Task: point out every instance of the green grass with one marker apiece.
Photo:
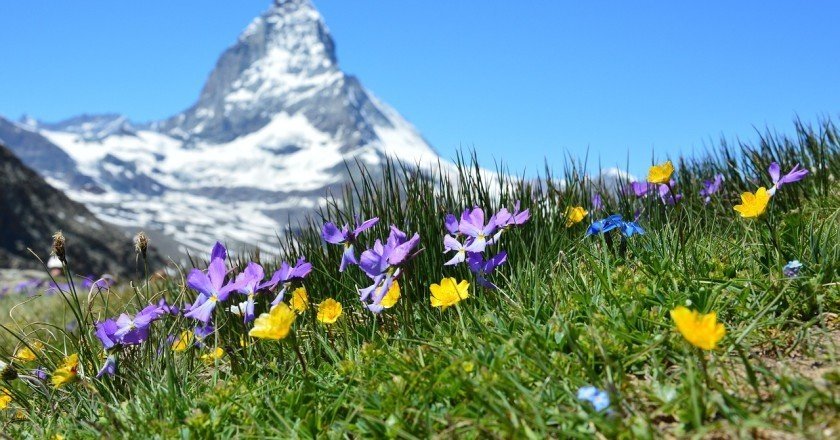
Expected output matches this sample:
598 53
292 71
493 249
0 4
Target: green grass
572 310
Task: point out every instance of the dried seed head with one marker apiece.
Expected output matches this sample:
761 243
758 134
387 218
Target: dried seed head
141 243
58 247
7 372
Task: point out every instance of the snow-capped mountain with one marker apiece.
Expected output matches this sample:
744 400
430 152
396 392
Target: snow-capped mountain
270 132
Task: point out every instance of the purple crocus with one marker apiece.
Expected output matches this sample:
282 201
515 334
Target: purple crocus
284 276
248 282
710 187
383 263
211 289
110 367
795 175
346 236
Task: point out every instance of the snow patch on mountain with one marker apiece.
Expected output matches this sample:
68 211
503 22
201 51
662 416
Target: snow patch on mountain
269 134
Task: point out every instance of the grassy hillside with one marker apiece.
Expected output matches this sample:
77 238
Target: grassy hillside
571 310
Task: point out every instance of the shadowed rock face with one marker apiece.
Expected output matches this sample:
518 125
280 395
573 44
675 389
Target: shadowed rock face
31 211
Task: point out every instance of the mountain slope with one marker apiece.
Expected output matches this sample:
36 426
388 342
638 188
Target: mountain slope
32 211
268 136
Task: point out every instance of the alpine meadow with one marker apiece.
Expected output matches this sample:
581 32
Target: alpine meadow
215 230
701 300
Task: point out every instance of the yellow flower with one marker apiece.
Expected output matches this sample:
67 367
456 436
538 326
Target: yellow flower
702 331
67 372
5 398
448 292
28 353
467 366
214 355
390 299
753 205
574 215
661 173
300 300
275 324
328 311
183 342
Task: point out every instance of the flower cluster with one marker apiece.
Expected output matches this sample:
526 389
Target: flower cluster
753 205
384 262
470 237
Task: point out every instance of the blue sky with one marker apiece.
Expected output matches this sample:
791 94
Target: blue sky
518 81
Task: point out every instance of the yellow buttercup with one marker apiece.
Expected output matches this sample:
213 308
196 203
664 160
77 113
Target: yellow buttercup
753 205
661 173
702 331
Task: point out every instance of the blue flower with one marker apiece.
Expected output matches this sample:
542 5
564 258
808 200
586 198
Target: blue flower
792 268
627 228
599 399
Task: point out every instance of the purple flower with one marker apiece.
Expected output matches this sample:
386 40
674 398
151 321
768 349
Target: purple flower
40 373
332 234
472 225
248 282
285 275
110 367
202 332
452 244
795 175
482 268
597 203
640 188
667 197
711 187
505 219
136 330
450 222
218 252
599 399
211 288
383 263
105 332
166 308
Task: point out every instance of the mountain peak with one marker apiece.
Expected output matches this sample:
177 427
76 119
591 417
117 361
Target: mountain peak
285 52
272 131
